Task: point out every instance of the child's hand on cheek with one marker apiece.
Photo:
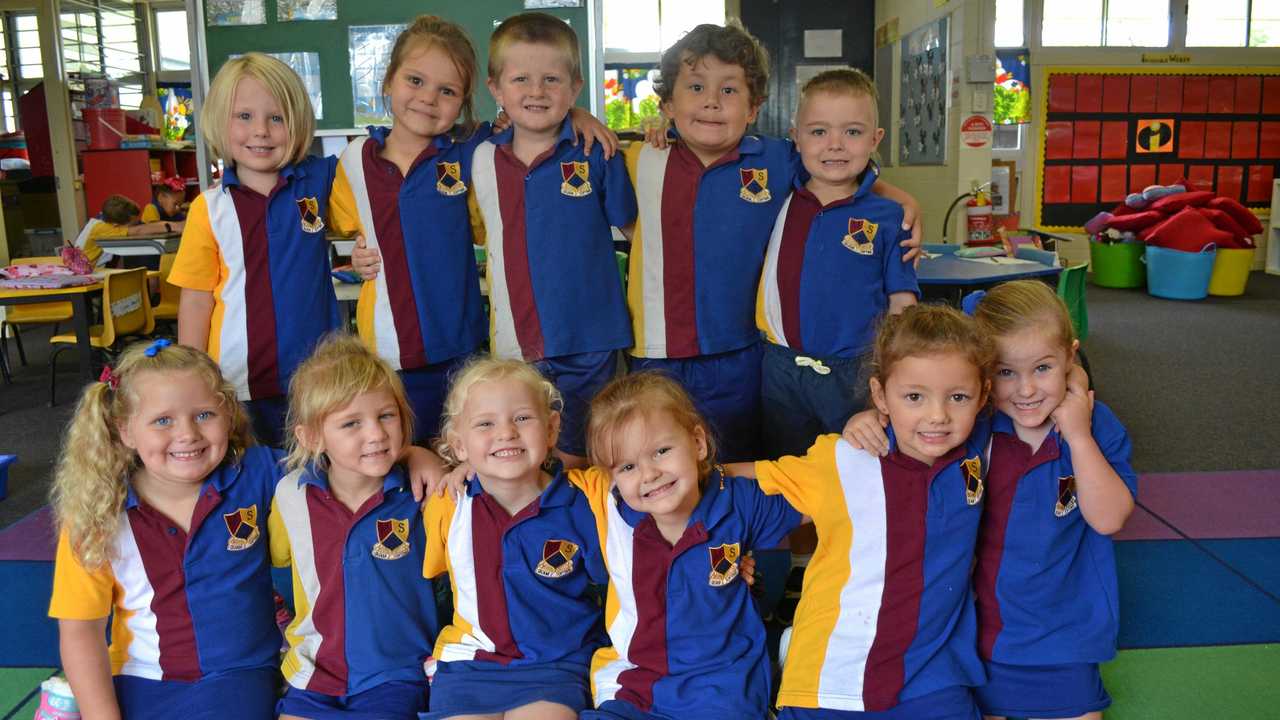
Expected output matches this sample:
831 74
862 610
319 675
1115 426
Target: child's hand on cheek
1074 415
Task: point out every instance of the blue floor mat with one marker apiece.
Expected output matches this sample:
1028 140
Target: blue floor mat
1173 594
31 638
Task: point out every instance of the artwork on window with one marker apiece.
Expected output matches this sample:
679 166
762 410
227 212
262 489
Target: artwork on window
235 12
370 49
1012 99
922 122
290 10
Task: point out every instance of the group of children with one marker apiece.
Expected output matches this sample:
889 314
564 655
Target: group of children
121 217
732 237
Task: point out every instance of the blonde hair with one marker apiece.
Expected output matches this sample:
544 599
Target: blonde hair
340 369
635 396
283 84
535 28
484 369
1014 306
90 481
431 31
849 82
930 329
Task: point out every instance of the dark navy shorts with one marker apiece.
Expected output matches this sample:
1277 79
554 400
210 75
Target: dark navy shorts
395 700
267 416
726 390
426 388
1042 691
578 378
953 703
803 397
481 688
248 694
618 710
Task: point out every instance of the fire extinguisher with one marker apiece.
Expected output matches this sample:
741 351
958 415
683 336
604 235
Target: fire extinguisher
979 222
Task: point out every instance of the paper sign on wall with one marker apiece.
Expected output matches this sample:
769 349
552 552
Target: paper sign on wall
975 131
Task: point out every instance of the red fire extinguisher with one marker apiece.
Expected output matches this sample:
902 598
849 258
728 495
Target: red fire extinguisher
979 221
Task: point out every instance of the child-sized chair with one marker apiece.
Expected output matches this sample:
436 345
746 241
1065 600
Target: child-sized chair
126 312
167 309
15 316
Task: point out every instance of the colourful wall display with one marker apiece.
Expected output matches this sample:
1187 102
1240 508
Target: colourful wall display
1110 132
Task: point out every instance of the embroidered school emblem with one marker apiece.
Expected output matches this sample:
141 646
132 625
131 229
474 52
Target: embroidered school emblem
755 185
393 539
861 237
242 525
1066 496
972 479
557 558
724 564
576 178
309 209
449 179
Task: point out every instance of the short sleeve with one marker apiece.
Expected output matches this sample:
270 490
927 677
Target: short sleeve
898 276
436 518
344 217
197 266
278 536
631 158
619 196
801 480
1113 441
150 214
79 593
769 517
476 218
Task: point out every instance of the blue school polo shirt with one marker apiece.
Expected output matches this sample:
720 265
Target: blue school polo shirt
266 261
184 604
887 612
700 242
829 271
425 306
553 280
685 632
1045 581
364 615
519 582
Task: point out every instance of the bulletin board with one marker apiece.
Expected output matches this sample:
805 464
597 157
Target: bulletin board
922 119
1111 132
331 40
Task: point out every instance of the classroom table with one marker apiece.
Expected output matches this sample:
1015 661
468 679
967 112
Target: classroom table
144 245
79 298
940 270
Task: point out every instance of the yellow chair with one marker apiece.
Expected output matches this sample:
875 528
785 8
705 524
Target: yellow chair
126 312
34 314
167 308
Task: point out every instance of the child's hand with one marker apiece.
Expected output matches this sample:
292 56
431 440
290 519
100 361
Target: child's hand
1074 414
426 472
655 132
501 122
865 431
1078 380
456 481
367 262
592 131
913 221
747 569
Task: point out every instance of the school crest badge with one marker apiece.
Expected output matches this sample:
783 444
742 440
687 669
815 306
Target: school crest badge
309 209
1066 496
972 479
242 526
861 237
393 539
449 179
576 176
557 558
724 564
755 185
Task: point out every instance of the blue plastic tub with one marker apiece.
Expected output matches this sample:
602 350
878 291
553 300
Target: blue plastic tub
5 462
1179 275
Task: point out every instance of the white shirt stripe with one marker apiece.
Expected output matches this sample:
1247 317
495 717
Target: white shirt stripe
144 648
651 171
772 297
503 342
619 557
387 342
462 564
233 337
291 503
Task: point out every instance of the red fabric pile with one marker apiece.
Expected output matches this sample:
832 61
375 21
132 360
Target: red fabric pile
1189 221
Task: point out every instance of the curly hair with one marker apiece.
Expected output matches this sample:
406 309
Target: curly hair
91 478
431 31
483 369
729 43
635 396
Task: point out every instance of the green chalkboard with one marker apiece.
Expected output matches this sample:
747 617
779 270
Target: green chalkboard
329 39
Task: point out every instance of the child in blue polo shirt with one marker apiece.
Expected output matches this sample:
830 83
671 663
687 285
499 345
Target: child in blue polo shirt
161 506
1060 484
521 549
346 522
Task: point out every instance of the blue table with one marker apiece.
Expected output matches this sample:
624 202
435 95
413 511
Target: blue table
951 276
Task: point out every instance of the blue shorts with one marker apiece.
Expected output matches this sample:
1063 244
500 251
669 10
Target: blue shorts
726 390
267 417
1042 691
481 688
425 388
618 710
248 694
953 703
578 378
799 402
395 700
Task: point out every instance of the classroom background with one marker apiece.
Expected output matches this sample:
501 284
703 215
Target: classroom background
1015 124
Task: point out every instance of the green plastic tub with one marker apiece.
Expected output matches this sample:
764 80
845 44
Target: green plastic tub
1117 265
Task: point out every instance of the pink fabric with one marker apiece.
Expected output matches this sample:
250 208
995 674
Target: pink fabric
36 270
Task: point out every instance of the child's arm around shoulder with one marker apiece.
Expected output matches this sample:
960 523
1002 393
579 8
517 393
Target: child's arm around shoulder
911 219
800 479
1100 450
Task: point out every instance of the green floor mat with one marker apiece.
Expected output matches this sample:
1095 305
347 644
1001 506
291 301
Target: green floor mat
16 685
1236 681
27 711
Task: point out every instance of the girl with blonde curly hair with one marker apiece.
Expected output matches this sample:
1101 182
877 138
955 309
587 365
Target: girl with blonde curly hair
161 502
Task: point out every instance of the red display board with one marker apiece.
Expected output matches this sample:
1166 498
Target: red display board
1111 132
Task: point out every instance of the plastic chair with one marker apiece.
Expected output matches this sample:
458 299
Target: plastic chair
167 308
34 314
1071 288
126 312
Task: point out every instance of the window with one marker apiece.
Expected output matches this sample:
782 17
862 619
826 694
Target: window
173 43
27 28
1009 23
1233 23
1110 23
100 38
650 26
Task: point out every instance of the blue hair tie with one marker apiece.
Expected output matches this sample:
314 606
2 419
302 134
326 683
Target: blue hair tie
970 302
157 346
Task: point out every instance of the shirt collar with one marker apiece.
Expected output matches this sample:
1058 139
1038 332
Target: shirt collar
312 475
558 492
506 136
220 479
379 133
869 177
288 172
909 463
748 145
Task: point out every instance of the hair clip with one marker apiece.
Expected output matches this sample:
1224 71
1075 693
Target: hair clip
969 304
157 346
109 377
174 183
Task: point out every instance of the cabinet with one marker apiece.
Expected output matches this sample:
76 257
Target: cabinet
129 173
1273 231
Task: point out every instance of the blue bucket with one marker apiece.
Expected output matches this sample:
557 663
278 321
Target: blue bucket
1179 275
5 462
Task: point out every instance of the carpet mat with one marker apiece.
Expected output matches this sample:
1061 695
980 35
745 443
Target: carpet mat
1237 682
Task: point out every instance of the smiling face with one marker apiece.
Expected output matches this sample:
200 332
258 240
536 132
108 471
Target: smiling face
256 133
932 402
836 134
179 429
504 431
655 466
362 439
535 87
426 93
711 107
1031 376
